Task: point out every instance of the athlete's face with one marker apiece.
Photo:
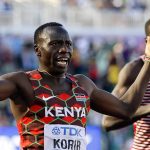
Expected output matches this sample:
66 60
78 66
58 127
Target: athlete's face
55 48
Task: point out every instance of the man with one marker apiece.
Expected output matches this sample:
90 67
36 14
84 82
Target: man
51 106
127 77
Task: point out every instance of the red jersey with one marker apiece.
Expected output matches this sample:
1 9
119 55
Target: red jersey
68 108
142 130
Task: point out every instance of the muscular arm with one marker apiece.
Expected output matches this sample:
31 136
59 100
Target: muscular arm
112 123
125 106
7 86
12 84
126 77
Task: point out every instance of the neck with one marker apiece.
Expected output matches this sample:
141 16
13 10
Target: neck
54 76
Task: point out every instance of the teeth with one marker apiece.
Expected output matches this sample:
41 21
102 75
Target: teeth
63 59
62 62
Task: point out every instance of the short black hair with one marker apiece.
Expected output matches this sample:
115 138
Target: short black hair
39 30
147 24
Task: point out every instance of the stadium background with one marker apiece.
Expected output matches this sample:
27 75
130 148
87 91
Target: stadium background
106 35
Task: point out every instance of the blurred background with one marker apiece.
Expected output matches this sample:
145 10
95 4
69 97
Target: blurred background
106 35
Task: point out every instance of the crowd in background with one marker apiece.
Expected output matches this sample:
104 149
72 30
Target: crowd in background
7 5
100 58
109 4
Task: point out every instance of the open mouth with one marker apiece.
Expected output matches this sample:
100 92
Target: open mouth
63 62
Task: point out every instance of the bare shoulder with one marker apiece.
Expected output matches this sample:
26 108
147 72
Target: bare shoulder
14 83
127 76
18 78
82 79
14 75
131 69
86 83
135 64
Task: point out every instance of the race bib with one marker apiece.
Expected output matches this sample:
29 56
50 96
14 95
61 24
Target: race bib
64 137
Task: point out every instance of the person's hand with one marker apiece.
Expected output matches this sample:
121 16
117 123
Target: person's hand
147 48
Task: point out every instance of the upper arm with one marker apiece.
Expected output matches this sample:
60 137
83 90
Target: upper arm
110 104
8 85
86 83
103 101
112 123
126 77
106 103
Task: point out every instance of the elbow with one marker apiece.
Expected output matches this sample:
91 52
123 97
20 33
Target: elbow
106 124
129 113
2 98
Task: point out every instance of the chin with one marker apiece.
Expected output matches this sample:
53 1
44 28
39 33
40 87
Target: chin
61 70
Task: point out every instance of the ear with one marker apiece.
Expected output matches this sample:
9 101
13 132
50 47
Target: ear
37 50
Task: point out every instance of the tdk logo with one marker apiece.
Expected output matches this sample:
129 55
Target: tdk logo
55 131
66 131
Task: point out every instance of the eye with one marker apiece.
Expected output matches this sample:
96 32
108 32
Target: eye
68 44
53 44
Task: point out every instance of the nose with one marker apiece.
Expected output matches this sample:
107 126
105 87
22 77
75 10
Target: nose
63 49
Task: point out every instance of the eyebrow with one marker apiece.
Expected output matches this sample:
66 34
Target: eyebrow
60 41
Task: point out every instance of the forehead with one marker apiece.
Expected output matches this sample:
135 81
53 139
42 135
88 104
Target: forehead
148 30
55 33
